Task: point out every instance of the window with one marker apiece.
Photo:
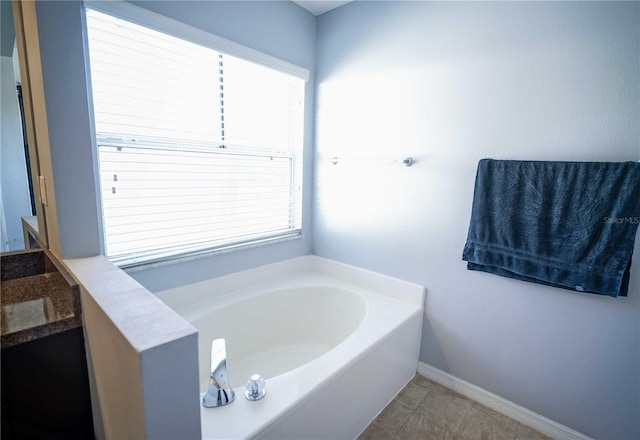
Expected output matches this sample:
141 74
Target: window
198 150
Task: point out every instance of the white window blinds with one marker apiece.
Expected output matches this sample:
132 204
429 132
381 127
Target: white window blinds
198 150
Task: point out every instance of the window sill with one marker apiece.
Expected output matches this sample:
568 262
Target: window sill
205 253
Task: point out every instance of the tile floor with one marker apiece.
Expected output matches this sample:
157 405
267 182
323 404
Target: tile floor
430 411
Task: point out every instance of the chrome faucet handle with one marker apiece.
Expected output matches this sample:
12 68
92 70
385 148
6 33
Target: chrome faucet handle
220 392
255 387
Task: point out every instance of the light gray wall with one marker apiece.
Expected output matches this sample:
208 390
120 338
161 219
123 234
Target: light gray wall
450 83
14 193
15 199
60 32
7 30
281 29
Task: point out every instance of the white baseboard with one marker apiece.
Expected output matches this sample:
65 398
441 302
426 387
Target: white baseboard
526 417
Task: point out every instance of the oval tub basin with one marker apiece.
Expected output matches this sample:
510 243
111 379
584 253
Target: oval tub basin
278 331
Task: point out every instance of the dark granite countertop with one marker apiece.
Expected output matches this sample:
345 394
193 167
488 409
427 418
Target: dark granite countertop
38 298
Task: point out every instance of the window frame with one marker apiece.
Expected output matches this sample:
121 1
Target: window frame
175 28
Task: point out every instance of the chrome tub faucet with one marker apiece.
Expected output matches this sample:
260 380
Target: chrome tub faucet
220 392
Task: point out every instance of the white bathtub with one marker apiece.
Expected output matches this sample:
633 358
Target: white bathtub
334 343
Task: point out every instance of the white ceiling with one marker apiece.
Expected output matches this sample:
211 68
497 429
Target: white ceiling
317 7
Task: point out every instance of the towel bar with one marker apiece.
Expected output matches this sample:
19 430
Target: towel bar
407 161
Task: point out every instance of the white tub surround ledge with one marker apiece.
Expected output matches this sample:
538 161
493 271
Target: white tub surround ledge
142 357
335 344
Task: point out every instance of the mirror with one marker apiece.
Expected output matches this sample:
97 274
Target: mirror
21 213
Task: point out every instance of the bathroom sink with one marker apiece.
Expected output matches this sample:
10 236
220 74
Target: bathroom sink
39 298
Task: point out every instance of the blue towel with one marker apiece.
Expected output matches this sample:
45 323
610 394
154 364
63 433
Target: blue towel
564 224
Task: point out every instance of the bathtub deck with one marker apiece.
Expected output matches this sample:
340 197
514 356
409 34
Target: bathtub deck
427 410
